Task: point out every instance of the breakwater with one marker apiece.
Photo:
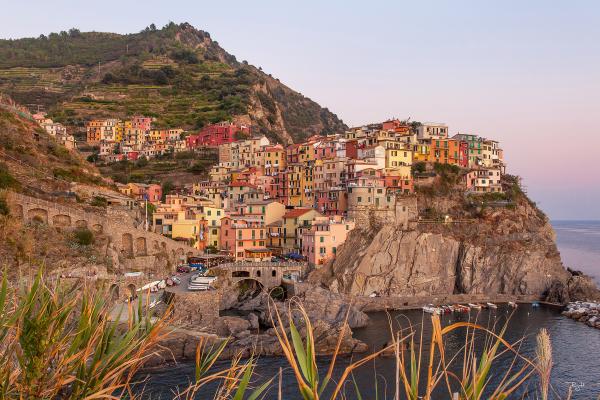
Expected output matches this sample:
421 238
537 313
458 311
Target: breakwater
586 312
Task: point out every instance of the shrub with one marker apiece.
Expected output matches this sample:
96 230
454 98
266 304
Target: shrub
419 167
83 236
99 201
7 181
4 209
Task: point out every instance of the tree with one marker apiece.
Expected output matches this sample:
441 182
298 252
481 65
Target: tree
167 187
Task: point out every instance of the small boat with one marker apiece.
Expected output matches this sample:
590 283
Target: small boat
512 304
461 308
475 306
431 309
535 304
491 305
154 303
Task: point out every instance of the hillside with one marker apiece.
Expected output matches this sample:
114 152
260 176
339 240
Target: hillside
34 164
177 74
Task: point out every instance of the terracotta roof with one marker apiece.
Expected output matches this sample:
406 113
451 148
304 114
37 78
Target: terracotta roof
296 212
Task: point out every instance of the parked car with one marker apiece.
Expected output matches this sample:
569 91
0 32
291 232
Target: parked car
183 268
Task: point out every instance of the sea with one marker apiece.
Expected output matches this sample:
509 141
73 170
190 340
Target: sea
575 346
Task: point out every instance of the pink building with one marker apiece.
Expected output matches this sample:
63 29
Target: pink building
327 234
243 237
140 122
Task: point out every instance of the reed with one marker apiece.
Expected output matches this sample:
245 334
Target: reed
59 342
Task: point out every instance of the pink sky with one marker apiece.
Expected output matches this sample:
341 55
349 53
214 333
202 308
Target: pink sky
524 73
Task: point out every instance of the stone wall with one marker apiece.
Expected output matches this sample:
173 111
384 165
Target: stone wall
128 248
194 310
403 212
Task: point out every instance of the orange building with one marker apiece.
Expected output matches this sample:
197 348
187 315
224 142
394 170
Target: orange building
449 151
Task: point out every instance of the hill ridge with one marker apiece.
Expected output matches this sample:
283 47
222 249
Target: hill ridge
177 74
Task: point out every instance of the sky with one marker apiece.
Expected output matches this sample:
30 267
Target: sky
526 73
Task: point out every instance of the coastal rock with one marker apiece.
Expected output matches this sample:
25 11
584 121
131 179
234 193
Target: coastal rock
507 251
253 319
231 326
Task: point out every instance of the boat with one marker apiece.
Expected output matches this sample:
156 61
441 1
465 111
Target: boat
431 309
512 304
535 304
491 305
475 306
461 308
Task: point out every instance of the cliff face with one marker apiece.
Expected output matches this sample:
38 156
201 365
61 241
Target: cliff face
508 251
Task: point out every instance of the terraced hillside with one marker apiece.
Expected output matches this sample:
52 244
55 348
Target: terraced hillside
177 74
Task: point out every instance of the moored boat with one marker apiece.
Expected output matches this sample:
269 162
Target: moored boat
512 304
475 306
431 309
491 305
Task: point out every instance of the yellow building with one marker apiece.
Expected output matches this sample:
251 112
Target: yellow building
212 215
395 158
274 159
421 152
294 223
188 229
293 184
307 185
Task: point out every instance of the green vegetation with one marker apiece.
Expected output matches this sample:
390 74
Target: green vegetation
171 166
75 174
85 355
83 236
7 181
175 74
419 166
60 343
4 209
99 201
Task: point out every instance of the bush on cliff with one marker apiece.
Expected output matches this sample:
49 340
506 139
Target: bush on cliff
83 236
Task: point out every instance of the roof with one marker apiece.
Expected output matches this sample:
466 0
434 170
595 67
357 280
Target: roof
297 212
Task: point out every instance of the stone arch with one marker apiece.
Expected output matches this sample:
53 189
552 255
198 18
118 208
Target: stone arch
97 228
131 291
249 287
114 292
140 246
81 223
61 220
127 243
38 214
240 274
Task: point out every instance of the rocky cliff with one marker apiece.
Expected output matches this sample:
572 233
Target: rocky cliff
493 250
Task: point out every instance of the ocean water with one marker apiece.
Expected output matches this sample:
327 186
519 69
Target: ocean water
579 245
576 347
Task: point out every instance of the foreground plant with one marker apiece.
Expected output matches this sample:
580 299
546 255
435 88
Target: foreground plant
60 343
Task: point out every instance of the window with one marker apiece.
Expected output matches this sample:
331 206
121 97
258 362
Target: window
274 273
322 239
322 250
359 199
241 244
208 213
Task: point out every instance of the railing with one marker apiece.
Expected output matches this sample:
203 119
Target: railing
246 264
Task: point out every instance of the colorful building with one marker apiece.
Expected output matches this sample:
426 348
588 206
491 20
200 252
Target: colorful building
321 242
